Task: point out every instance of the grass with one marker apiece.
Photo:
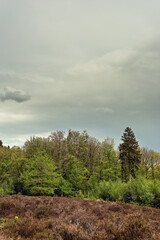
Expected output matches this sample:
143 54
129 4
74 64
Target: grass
76 219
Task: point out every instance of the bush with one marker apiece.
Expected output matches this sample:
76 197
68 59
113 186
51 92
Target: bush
104 190
1 191
117 190
134 227
26 229
142 191
112 191
156 202
42 212
94 192
129 195
65 188
6 205
156 191
76 219
79 194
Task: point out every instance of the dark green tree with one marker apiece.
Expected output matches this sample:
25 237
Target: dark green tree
1 143
129 154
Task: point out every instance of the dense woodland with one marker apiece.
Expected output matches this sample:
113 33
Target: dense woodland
78 165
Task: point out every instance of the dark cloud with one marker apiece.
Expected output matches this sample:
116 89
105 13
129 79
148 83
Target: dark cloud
15 95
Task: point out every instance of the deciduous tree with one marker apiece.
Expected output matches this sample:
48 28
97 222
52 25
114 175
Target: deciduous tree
41 177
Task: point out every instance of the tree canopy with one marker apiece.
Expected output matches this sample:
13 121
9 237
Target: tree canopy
77 165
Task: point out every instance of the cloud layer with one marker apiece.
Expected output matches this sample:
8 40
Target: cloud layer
81 65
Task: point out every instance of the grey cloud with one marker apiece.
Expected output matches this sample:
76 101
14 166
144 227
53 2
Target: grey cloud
15 95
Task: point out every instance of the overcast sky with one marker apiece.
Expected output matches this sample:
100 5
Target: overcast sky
80 64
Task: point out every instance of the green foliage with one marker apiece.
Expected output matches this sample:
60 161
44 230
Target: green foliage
156 191
34 145
3 222
156 201
1 191
143 191
19 167
6 181
104 190
75 173
130 155
79 194
65 188
111 165
41 177
57 149
1 143
151 163
15 220
93 185
78 165
129 195
94 193
139 191
112 191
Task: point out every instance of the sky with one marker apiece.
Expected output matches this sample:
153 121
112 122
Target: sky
80 64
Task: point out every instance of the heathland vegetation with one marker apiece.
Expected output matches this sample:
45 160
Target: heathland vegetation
78 165
62 218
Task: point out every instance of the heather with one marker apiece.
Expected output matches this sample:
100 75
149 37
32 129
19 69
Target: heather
65 218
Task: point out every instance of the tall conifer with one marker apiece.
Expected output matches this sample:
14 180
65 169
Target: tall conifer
129 155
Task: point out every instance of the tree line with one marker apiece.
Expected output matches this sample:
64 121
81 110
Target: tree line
78 165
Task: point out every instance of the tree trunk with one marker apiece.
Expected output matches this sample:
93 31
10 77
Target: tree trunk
129 174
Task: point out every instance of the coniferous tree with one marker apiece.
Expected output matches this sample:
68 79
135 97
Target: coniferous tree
1 143
129 154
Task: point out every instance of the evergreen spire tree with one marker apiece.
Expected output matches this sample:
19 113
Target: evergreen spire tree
129 155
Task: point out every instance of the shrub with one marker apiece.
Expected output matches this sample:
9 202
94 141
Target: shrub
142 191
3 222
65 188
77 219
1 191
79 194
42 212
117 190
112 191
156 191
134 228
26 229
94 192
129 195
156 202
6 205
104 190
